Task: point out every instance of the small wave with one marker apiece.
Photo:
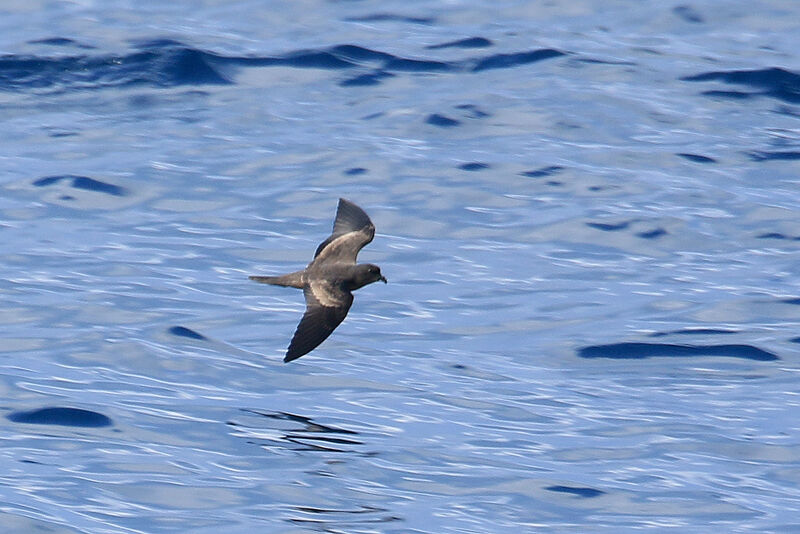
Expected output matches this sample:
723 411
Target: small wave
182 331
370 78
167 63
693 331
778 155
61 41
442 121
697 158
544 171
83 182
504 61
688 14
392 17
655 233
162 67
470 42
639 351
473 166
777 235
586 493
776 83
609 227
60 416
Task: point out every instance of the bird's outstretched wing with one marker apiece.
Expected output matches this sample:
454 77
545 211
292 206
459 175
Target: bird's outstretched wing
326 308
352 229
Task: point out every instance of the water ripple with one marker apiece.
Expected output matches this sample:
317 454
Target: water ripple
167 63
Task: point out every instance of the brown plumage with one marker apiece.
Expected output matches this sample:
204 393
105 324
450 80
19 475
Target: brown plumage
330 279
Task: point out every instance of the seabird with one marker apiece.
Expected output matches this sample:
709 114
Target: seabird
330 279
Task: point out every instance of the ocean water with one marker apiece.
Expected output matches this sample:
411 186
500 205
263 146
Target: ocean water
587 212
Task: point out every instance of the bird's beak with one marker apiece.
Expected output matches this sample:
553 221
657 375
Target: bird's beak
383 279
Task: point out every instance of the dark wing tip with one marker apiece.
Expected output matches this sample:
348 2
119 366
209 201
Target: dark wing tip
349 218
290 356
317 324
305 339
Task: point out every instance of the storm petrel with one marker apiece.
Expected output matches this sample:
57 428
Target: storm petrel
330 279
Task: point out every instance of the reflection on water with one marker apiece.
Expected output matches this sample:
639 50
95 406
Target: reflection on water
303 435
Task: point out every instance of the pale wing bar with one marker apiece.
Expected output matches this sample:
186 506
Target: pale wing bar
349 218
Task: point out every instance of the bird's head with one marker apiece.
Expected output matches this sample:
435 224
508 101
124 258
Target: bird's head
366 273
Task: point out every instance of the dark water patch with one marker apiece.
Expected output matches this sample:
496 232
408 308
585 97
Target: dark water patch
701 331
182 331
470 42
143 44
418 65
733 95
442 121
57 135
777 235
776 82
473 166
60 416
544 171
696 158
607 227
359 54
355 56
367 79
474 111
61 41
688 14
50 180
652 234
355 171
168 63
362 509
504 61
774 156
186 66
578 491
392 17
83 182
90 184
795 340
597 61
639 351
306 59
788 111
164 67
793 300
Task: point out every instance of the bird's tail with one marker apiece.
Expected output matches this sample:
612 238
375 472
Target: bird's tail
287 280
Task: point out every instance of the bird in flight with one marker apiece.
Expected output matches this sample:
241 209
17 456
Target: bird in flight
330 279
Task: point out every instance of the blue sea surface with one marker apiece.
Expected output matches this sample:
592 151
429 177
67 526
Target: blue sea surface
588 213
